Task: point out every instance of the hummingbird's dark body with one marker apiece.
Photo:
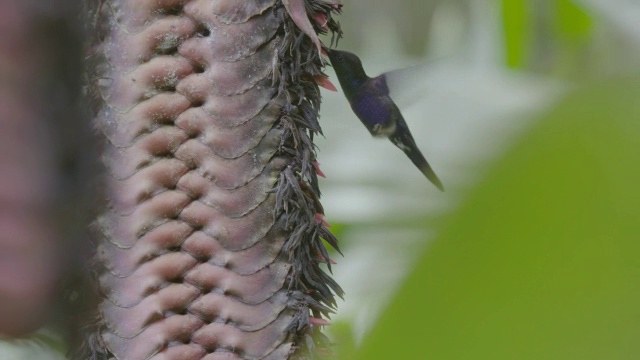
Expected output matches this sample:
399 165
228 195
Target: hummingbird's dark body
369 98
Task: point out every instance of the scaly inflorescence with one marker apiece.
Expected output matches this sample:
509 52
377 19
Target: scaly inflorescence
211 243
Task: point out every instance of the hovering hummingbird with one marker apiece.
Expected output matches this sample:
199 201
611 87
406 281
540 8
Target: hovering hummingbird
369 98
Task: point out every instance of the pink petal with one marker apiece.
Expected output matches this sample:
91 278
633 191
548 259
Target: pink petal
324 82
320 219
298 14
321 19
318 321
317 165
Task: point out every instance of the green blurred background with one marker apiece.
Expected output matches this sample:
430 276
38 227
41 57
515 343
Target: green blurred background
529 112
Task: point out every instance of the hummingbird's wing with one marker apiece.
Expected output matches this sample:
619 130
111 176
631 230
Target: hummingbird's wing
408 85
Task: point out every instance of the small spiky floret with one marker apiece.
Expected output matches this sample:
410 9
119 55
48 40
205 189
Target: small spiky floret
297 192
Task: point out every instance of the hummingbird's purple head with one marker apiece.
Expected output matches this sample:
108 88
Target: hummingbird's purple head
348 68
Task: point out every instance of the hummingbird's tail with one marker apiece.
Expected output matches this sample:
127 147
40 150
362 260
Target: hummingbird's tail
405 142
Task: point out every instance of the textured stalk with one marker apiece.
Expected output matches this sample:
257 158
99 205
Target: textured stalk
211 241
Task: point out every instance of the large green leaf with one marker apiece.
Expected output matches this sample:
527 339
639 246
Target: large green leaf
543 260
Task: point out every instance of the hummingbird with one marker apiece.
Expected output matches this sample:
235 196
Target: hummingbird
370 101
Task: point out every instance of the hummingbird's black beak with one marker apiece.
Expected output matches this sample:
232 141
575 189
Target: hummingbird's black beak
325 50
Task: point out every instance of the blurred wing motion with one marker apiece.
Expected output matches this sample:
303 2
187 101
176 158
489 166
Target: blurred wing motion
409 85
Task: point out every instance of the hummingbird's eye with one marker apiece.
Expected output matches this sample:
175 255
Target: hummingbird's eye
340 58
